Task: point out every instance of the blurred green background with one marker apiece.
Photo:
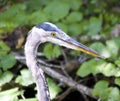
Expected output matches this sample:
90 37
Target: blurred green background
94 23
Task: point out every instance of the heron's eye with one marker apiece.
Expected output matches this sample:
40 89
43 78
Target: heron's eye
53 34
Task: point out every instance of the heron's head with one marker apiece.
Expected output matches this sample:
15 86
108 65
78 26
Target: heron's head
51 33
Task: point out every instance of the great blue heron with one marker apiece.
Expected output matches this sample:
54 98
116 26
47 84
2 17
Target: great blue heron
51 33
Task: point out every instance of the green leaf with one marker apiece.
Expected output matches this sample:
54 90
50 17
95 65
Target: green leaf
56 51
101 90
106 93
38 16
5 77
109 70
101 49
10 95
91 66
116 40
113 47
94 26
7 61
51 51
16 11
110 18
117 62
63 26
74 52
99 86
58 12
100 66
75 29
114 94
3 48
48 49
76 4
74 17
35 5
25 78
53 88
84 69
117 81
93 1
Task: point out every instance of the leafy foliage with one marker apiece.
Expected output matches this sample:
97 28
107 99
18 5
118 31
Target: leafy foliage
53 88
75 17
16 12
59 9
107 93
93 18
95 23
10 95
25 78
101 48
101 85
95 67
7 60
5 77
51 51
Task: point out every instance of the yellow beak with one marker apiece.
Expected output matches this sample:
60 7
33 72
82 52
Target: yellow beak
73 44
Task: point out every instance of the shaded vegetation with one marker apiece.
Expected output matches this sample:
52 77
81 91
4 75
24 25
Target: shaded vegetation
94 23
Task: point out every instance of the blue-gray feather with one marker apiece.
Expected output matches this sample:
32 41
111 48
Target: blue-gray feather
48 27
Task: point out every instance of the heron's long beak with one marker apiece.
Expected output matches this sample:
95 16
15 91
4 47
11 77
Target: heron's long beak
73 44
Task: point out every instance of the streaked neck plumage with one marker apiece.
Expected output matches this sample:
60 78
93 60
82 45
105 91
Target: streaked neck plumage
31 46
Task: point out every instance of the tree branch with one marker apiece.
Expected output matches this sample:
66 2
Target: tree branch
68 81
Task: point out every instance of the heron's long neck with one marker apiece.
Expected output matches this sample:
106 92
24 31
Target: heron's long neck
30 53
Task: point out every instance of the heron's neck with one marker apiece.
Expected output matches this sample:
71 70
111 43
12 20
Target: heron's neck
31 46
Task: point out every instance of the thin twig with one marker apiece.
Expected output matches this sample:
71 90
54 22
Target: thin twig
46 64
64 55
64 94
22 58
64 71
69 82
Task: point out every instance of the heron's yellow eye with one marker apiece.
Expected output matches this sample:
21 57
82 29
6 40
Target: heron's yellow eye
53 34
